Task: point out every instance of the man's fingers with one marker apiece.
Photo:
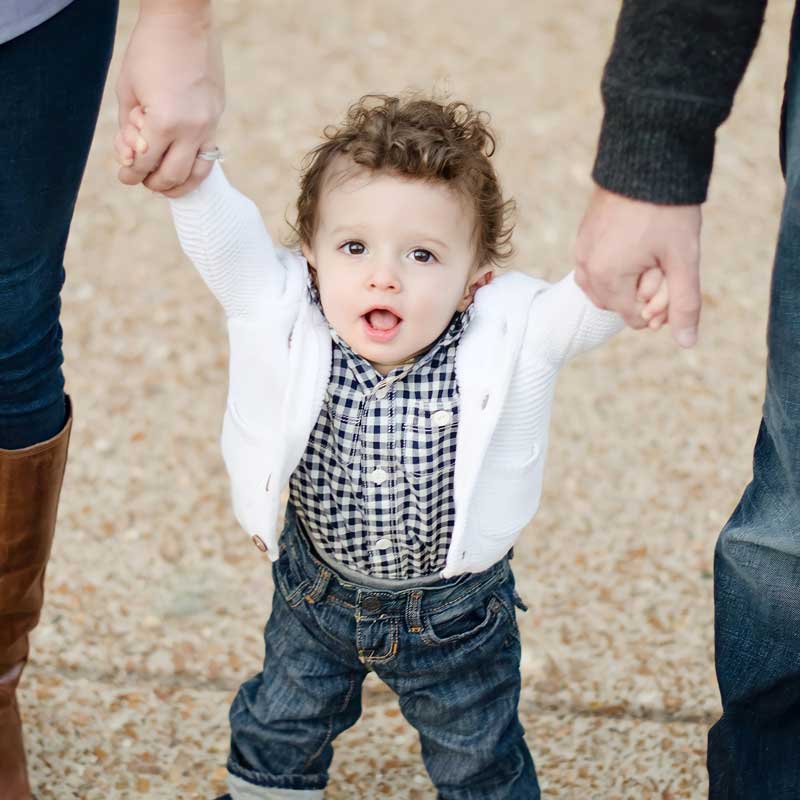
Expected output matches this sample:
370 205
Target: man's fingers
683 279
613 292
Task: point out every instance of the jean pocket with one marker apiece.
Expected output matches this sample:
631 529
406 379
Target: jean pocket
291 583
480 620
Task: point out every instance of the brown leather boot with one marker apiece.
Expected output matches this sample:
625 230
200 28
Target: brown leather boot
30 483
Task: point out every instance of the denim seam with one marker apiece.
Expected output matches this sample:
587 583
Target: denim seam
329 736
394 629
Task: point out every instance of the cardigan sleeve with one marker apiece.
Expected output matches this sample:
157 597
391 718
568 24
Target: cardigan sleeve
222 233
564 322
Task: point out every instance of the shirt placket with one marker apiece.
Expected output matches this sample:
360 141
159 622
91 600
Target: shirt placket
380 472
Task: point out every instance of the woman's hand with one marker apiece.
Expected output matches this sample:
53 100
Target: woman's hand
173 70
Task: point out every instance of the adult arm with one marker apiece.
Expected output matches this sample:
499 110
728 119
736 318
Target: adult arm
669 83
173 69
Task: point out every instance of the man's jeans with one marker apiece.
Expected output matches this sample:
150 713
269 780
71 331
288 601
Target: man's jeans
754 749
449 648
51 82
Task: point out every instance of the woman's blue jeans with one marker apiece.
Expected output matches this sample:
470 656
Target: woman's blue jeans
51 83
754 749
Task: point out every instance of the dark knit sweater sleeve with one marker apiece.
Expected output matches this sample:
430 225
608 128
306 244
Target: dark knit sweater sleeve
668 85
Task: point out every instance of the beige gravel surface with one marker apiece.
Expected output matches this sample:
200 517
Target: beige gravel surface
156 600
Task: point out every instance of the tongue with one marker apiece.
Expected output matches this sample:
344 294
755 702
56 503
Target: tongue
382 320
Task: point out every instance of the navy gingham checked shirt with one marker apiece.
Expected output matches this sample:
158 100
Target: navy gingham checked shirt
374 488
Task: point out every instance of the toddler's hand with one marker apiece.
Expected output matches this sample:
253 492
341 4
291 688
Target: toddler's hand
654 293
129 142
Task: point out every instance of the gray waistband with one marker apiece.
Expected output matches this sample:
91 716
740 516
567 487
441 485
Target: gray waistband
352 576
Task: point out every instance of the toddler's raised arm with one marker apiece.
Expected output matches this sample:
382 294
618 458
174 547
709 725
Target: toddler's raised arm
222 232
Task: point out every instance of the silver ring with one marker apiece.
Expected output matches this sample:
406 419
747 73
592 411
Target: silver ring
215 154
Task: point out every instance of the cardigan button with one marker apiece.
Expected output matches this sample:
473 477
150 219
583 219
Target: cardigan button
259 543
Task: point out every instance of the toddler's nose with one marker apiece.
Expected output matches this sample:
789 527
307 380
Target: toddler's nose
385 278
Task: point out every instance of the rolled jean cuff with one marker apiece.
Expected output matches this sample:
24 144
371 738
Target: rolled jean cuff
240 789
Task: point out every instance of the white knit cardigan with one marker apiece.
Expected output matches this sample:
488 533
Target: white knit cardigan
522 332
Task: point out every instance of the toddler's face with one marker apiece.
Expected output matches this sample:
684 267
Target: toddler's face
402 245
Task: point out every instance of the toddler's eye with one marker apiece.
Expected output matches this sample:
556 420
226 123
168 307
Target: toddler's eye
423 256
354 248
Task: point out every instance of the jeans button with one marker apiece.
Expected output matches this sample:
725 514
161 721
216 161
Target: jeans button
371 604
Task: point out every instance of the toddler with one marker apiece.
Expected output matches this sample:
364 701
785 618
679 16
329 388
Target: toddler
387 372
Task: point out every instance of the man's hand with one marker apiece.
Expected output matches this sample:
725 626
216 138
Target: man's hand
620 239
173 69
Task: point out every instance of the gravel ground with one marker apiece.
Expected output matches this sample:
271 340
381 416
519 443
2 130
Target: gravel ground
156 599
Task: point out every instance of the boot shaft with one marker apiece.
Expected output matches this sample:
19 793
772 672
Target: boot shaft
30 485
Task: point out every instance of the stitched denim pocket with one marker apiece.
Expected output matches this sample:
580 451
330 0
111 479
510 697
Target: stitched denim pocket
479 620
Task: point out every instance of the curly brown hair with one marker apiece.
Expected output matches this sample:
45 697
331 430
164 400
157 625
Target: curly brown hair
416 138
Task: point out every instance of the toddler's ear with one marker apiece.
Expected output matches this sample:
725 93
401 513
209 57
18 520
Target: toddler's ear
481 278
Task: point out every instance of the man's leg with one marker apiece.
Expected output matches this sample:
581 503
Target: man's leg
754 749
51 82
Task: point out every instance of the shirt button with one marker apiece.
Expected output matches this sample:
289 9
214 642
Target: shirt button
379 475
485 401
535 451
382 544
382 392
441 417
259 543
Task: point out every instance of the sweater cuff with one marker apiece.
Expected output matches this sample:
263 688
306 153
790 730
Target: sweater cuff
656 148
215 183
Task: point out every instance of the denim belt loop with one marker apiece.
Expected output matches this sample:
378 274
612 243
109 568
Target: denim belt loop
317 590
413 609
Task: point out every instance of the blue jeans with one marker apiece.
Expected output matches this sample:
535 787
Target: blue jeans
449 649
51 82
754 749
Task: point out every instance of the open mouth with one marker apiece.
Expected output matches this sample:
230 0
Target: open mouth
381 324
